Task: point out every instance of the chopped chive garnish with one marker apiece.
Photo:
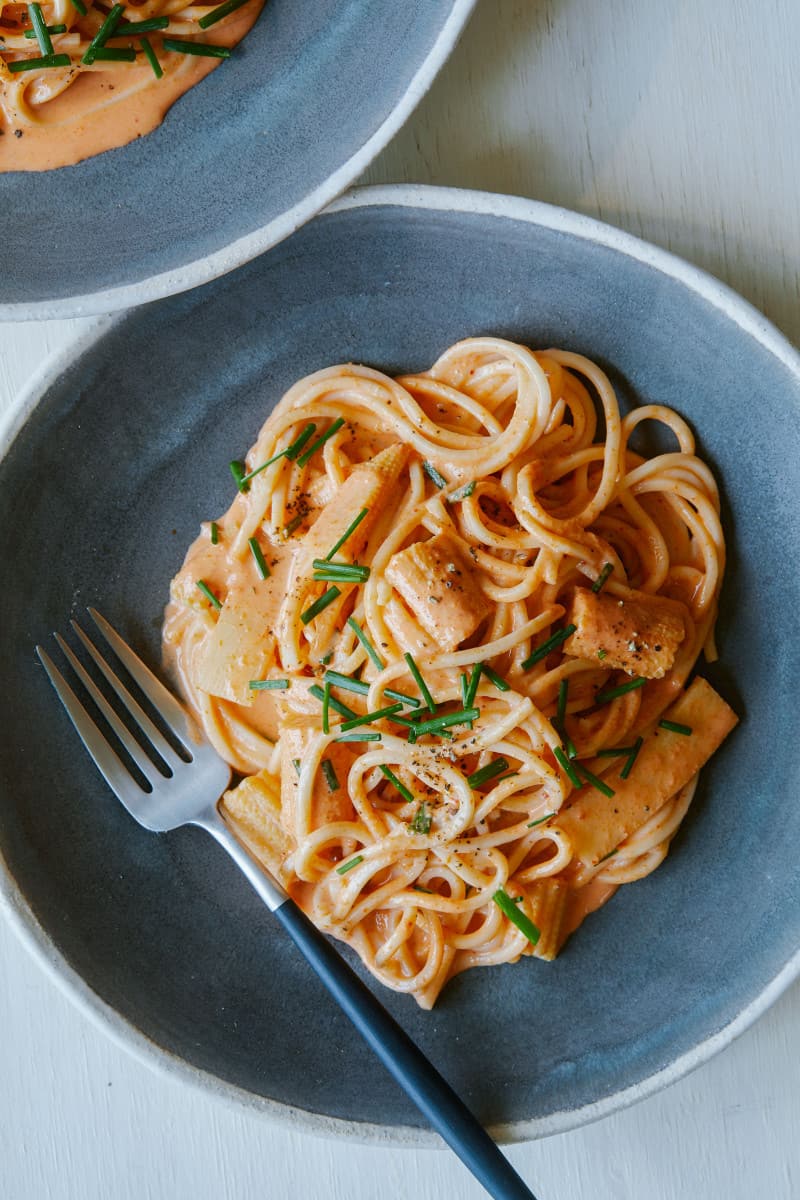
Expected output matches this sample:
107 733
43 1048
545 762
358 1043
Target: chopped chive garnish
315 446
209 595
626 770
366 643
40 29
569 746
432 473
501 684
258 556
368 718
621 752
31 33
484 774
340 572
201 49
294 448
295 523
366 736
330 775
79 6
472 690
336 679
594 780
351 528
541 820
542 651
348 866
326 700
602 577
130 28
612 693
398 785
464 682
152 57
326 658
238 473
268 685
411 701
437 724
561 712
462 493
285 453
108 54
416 888
610 854
422 819
104 33
567 767
509 906
214 533
34 64
601 653
217 14
335 704
420 682
320 605
296 765
675 727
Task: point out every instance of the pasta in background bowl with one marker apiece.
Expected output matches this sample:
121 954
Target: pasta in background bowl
157 937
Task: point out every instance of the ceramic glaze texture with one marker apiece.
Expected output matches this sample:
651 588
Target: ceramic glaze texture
309 97
164 928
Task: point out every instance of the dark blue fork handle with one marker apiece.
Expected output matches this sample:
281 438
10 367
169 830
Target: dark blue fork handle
434 1097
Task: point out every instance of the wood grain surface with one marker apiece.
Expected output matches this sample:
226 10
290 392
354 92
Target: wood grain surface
678 122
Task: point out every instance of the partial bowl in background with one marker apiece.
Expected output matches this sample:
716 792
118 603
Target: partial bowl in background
308 99
160 938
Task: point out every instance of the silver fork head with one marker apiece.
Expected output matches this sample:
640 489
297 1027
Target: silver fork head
182 787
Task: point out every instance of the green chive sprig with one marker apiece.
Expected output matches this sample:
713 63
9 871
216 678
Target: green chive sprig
330 775
40 29
79 6
214 533
320 442
358 736
31 33
434 475
209 595
134 28
199 49
348 866
437 724
258 557
103 34
462 493
420 682
398 785
626 770
219 13
317 692
326 702
510 909
35 64
610 854
552 642
369 718
268 685
490 771
151 57
622 690
676 727
594 780
319 605
336 679
422 820
567 767
541 820
339 572
366 643
351 528
472 690
599 583
496 680
291 451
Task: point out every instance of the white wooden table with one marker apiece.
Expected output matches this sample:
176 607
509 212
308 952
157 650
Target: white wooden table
678 122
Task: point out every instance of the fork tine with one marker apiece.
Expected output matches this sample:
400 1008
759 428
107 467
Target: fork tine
134 708
145 764
162 700
115 774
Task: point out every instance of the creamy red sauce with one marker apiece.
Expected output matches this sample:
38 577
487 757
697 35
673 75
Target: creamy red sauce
102 109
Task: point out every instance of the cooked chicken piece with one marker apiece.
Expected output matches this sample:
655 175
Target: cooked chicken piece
596 824
327 805
638 636
440 584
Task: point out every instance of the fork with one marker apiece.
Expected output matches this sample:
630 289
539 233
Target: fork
185 790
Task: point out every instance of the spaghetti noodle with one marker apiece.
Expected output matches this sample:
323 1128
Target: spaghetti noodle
444 632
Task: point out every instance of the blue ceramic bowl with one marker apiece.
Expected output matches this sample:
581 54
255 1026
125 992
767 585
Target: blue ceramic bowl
160 937
308 99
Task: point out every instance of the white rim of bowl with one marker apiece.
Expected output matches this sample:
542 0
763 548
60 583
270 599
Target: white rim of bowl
34 937
203 270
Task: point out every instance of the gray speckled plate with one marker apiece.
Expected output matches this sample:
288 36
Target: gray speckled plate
119 452
308 99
